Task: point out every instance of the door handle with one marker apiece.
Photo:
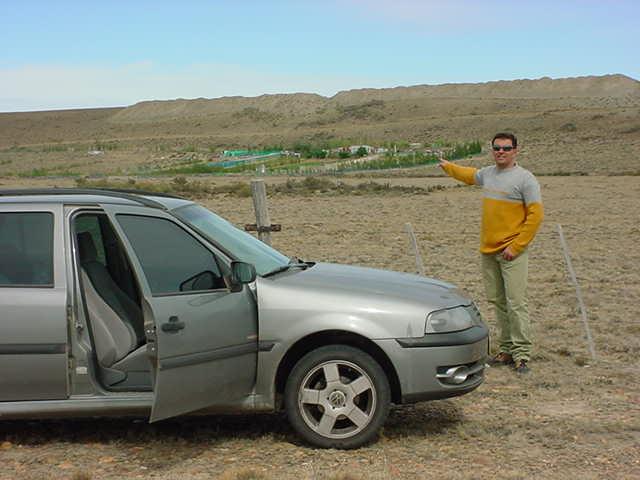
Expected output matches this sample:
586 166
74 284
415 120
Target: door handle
173 325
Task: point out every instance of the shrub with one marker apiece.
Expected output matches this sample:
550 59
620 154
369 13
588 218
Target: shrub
361 152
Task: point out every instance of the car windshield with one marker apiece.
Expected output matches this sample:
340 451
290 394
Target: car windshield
240 245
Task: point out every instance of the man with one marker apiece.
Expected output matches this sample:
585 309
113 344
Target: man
511 214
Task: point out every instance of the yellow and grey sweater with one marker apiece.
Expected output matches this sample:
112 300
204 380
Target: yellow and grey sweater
511 208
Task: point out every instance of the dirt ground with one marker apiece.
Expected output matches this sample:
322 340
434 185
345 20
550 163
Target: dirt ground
570 418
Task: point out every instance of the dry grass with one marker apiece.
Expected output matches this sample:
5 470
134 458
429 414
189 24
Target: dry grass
570 418
198 189
81 476
243 474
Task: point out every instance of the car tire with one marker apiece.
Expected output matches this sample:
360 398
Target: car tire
337 396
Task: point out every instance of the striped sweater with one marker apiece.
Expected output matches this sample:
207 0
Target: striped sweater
511 208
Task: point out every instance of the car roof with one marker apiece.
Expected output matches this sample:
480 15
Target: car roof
92 196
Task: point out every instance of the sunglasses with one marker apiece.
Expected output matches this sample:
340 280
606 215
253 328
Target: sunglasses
507 148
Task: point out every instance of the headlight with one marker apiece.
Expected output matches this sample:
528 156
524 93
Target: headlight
449 320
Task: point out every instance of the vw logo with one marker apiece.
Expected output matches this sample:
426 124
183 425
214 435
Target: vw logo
337 399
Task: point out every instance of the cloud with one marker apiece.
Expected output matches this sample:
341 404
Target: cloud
48 87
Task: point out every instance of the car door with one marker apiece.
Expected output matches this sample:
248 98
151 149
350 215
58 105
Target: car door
33 304
201 334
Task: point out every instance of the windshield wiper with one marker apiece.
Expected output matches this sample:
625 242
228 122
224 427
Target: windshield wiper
284 268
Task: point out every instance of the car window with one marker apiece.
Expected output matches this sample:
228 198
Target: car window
173 261
89 223
238 244
26 248
106 250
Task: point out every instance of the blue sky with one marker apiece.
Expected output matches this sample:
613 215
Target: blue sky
77 54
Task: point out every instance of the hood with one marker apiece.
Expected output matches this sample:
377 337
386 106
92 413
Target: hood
397 303
373 282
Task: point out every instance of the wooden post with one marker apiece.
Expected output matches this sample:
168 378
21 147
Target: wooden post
263 222
583 310
414 246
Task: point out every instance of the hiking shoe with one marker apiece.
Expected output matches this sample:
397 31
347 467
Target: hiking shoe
522 367
501 359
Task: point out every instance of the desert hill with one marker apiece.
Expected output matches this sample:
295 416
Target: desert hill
584 87
591 91
581 125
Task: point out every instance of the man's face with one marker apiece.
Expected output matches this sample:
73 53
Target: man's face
504 153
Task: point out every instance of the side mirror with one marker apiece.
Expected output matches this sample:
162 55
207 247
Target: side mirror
243 272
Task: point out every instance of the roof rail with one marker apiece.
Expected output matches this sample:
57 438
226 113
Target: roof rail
132 195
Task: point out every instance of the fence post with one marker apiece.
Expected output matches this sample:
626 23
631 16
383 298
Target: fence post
414 246
572 275
263 222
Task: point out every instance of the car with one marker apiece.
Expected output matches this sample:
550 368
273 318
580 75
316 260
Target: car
118 302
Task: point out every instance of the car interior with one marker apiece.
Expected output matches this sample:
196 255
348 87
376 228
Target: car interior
112 305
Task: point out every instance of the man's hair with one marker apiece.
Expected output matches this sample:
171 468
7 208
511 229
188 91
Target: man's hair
506 136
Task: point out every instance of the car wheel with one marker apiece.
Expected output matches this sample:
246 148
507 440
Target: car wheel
337 397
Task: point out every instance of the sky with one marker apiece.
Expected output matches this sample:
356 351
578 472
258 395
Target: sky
101 53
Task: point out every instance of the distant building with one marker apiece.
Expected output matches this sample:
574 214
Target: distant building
235 153
353 149
288 153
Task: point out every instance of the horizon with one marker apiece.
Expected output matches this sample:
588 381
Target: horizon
324 96
69 56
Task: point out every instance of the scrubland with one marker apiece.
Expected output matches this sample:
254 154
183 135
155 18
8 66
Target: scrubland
571 417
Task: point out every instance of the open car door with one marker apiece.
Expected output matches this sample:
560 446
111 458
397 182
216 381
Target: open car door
202 335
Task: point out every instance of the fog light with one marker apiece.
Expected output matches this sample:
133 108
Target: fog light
454 375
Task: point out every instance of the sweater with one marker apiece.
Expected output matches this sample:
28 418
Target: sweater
511 207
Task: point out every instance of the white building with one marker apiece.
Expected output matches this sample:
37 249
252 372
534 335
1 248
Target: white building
353 149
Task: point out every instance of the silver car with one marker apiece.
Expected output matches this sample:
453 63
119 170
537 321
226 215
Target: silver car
123 303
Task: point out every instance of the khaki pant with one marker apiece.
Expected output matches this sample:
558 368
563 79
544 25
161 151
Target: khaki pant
506 285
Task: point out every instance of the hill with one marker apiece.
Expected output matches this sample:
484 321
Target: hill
582 125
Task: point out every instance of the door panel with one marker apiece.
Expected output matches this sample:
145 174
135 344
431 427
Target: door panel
214 355
204 343
32 375
33 321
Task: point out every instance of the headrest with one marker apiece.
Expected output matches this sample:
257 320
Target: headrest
87 248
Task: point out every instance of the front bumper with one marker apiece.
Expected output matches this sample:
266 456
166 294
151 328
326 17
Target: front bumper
427 366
